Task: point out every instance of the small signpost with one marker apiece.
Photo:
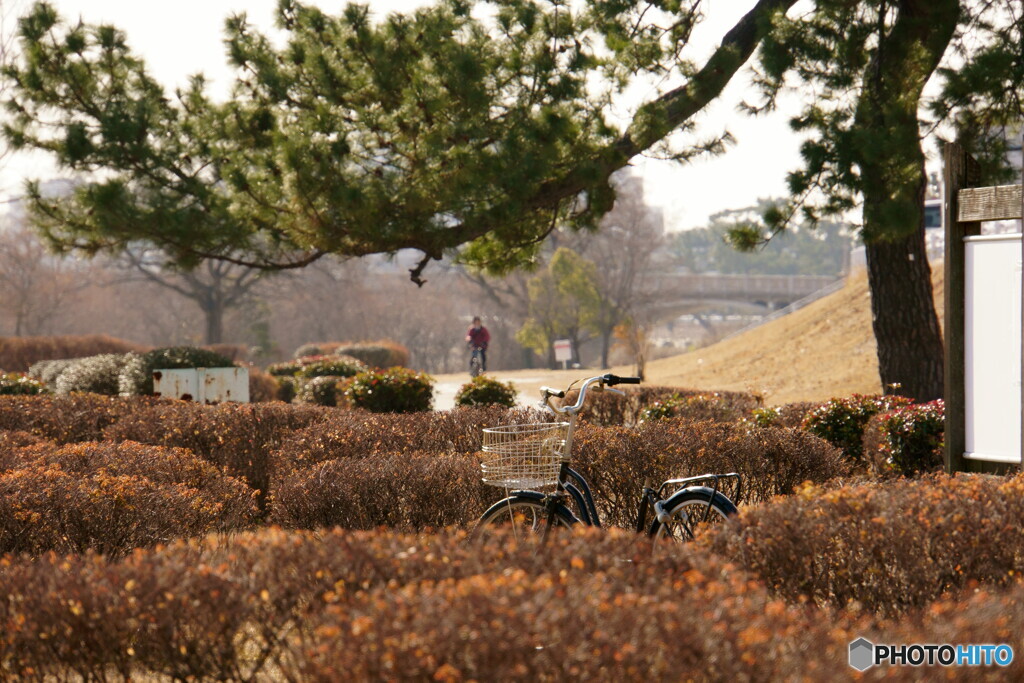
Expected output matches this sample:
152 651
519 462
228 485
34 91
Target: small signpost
563 352
983 400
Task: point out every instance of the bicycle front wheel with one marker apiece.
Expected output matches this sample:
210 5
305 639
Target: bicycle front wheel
525 516
692 511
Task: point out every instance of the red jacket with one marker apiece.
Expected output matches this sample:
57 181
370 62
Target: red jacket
478 337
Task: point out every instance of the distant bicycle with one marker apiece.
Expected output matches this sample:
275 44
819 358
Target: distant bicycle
523 458
476 361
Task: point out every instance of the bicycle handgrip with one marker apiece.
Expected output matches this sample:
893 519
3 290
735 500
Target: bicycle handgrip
548 391
612 380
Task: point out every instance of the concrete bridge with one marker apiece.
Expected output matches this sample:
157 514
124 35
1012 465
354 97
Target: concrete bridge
742 293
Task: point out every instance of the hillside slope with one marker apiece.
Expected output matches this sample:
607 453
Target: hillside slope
825 349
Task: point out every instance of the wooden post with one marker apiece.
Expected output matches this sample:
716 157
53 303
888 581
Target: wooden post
1022 303
959 171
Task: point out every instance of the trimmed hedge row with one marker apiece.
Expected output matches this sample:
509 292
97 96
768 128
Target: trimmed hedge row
380 605
113 498
887 547
376 354
359 434
272 445
412 490
18 354
617 460
369 606
608 409
68 419
241 439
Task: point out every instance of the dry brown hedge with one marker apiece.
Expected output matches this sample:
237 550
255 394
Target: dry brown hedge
378 605
618 460
888 546
113 498
400 490
791 415
373 605
18 354
269 444
610 410
262 386
368 485
359 434
68 419
240 438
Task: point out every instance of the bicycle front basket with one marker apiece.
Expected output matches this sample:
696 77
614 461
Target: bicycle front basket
524 456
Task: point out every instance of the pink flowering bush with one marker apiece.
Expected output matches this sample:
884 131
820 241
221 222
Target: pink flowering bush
907 440
841 421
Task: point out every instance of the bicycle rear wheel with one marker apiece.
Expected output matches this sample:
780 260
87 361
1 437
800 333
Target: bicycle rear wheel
526 516
692 511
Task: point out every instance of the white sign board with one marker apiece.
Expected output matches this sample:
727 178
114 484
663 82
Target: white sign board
203 385
563 350
992 338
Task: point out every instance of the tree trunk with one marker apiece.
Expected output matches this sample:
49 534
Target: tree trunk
214 312
903 317
606 344
892 174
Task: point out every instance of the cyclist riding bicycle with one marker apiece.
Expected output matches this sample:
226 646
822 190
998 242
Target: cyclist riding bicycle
476 339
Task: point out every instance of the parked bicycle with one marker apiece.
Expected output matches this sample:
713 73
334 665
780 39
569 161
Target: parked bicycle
524 458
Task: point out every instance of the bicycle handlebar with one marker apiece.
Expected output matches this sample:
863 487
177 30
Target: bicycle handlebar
608 380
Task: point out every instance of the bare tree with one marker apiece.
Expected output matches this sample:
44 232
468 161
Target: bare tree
215 286
359 299
624 250
35 287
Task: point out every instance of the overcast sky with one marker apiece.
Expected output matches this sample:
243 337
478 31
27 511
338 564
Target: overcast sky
185 36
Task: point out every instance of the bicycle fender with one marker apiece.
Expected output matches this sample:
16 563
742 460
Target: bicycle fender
580 504
584 488
705 490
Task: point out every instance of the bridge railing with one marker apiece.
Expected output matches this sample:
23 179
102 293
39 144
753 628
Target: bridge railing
749 287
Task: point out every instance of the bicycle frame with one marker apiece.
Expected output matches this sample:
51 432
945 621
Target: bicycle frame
570 481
